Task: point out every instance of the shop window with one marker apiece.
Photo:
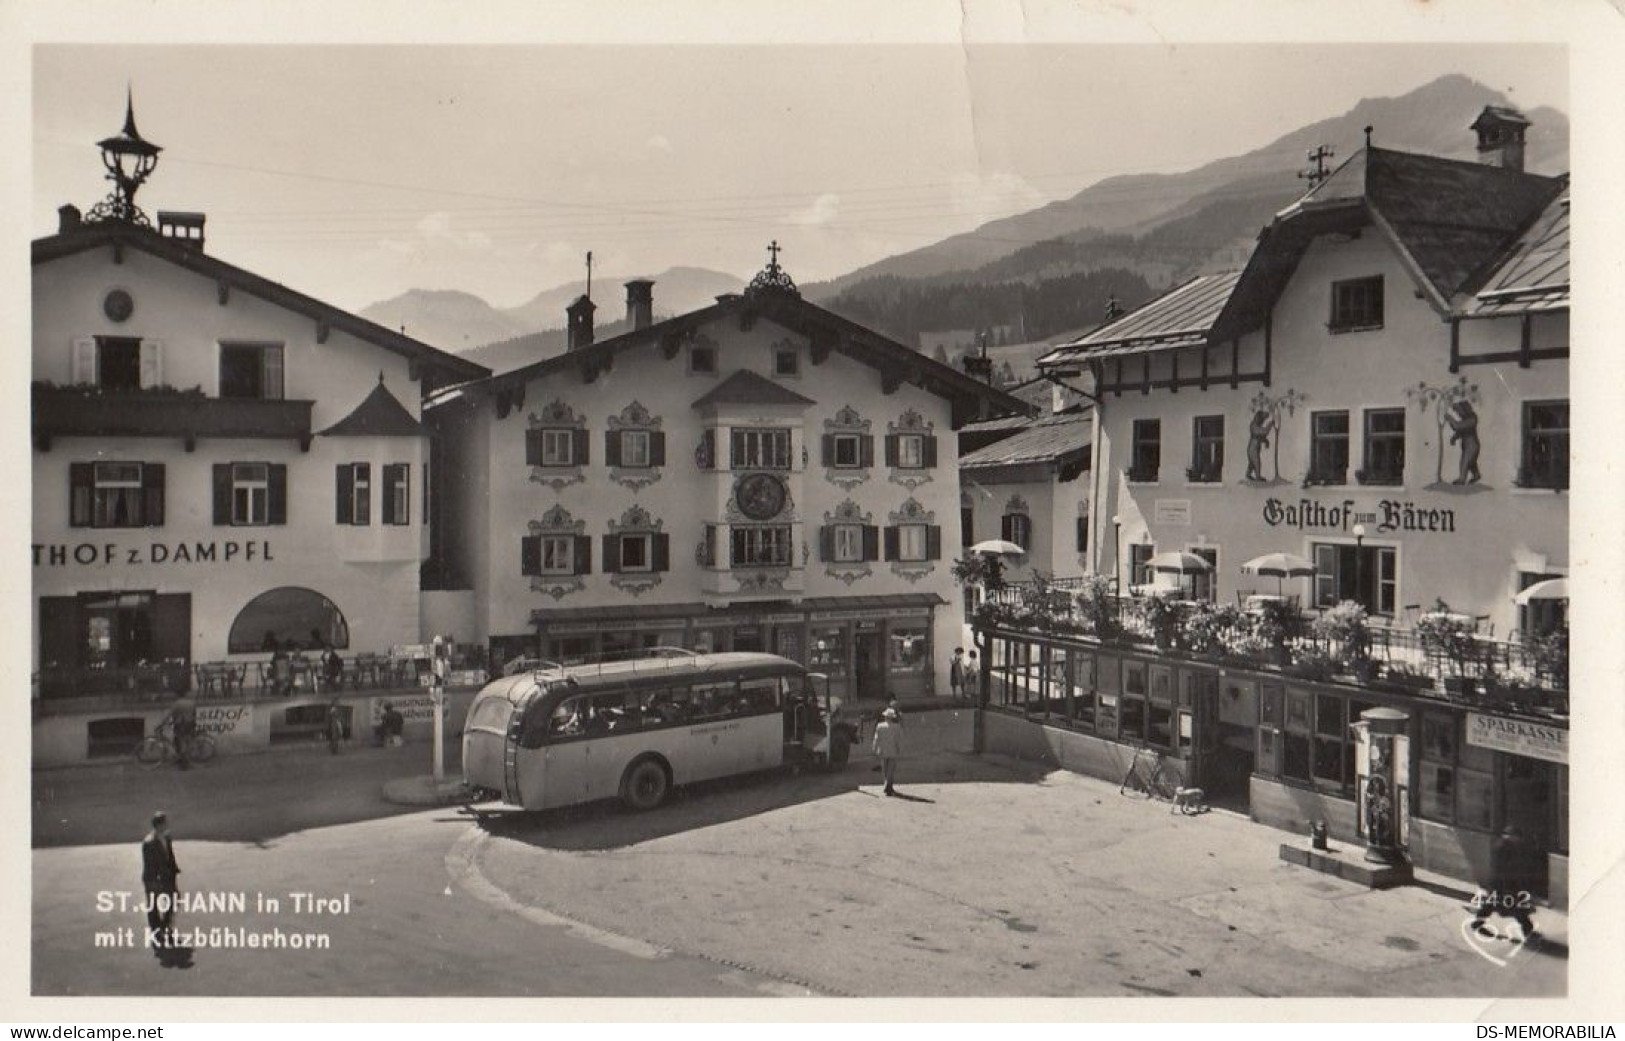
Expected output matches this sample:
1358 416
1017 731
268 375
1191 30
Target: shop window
251 370
1207 449
907 648
1017 528
1330 744
829 649
1457 780
116 495
1545 461
570 650
1384 447
1132 709
765 545
114 737
1160 708
1145 458
1356 304
760 449
288 618
1328 447
397 498
354 493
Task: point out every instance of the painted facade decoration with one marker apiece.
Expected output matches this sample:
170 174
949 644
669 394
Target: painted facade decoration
847 423
569 469
1452 407
1268 413
638 471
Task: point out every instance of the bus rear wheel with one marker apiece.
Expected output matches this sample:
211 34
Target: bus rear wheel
644 785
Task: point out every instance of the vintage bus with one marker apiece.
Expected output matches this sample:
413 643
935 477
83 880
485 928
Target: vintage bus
633 729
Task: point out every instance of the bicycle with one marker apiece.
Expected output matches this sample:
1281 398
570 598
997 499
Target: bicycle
157 748
1157 779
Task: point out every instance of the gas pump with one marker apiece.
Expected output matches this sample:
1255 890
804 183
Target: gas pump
1382 765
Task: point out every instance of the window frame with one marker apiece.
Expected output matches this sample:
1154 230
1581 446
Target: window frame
632 437
855 441
699 351
643 539
395 497
549 545
1555 473
241 484
923 534
917 441
1320 442
1357 304
1206 448
1374 440
271 379
780 354
1145 451
741 536
847 533
120 489
551 438
765 441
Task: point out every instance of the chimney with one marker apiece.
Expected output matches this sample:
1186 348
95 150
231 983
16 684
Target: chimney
640 303
1500 137
979 365
67 218
579 323
184 229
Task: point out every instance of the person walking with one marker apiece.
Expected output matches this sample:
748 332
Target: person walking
335 725
158 877
956 673
1506 891
888 745
973 677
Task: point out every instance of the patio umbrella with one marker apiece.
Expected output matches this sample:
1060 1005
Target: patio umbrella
998 547
1281 566
1183 563
1550 589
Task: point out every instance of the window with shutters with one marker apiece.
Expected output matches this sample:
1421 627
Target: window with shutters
354 493
635 448
760 545
634 553
845 453
250 493
251 370
911 451
760 449
116 495
912 544
397 497
557 555
1017 528
118 363
557 447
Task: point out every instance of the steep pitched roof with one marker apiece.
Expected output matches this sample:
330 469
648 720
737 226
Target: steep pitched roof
121 236
1181 317
747 388
1052 439
1534 274
380 414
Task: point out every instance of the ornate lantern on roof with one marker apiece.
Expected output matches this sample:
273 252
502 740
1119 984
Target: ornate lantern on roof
129 159
773 278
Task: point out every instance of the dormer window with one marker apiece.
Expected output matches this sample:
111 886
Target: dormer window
1356 304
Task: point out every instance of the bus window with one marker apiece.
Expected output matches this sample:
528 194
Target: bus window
662 705
713 700
614 714
759 696
569 719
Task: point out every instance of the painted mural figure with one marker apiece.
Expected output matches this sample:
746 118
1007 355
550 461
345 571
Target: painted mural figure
1258 439
1464 430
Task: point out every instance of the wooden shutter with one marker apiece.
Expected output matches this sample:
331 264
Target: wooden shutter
928 451
81 489
344 492
829 449
612 448
172 626
222 493
891 542
152 495
84 360
866 450
871 542
533 447
933 542
578 440
530 555
660 548
826 536
1007 527
612 554
657 448
582 557
386 511
152 363
276 495
891 449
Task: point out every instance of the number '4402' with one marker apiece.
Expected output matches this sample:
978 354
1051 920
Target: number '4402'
1493 899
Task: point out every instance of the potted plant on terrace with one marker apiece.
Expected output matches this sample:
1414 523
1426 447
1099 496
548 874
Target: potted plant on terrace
1549 653
1162 618
1094 605
1453 639
1347 632
1277 621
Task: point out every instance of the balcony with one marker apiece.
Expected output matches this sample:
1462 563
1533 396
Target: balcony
163 412
727 584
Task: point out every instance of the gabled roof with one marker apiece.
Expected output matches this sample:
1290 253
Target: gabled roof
128 236
747 388
1534 274
1052 439
826 330
1181 317
380 414
1447 219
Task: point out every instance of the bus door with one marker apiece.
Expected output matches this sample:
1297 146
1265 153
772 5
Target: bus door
566 776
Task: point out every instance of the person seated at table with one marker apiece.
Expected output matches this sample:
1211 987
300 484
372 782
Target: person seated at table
391 725
281 670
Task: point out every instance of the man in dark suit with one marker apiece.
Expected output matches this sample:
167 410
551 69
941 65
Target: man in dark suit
158 877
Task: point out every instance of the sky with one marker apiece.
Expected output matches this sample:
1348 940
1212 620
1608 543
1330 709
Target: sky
357 172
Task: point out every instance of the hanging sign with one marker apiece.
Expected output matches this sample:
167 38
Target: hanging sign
1533 740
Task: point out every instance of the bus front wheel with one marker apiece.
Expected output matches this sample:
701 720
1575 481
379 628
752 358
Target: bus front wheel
645 785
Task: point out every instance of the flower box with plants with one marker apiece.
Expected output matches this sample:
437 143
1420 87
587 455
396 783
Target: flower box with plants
1373 476
1207 474
1325 475
1453 640
1346 631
